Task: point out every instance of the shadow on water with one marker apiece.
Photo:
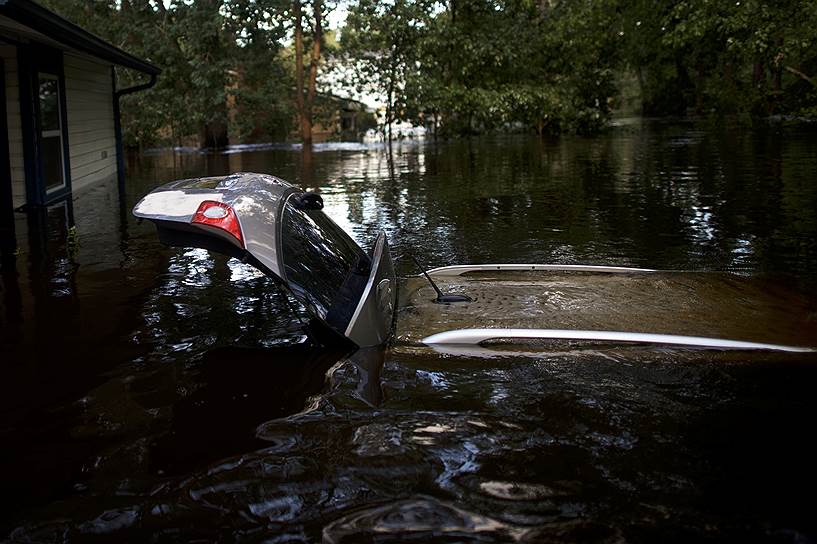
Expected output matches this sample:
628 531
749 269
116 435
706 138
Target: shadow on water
238 389
157 394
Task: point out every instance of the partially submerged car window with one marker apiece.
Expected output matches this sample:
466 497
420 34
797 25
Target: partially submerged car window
326 266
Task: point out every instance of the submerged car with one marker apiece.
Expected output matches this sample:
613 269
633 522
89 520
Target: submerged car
470 309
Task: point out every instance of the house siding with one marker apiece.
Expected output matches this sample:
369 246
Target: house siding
15 130
91 137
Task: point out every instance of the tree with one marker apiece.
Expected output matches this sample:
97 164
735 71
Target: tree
220 60
261 79
305 84
229 71
477 65
380 42
747 56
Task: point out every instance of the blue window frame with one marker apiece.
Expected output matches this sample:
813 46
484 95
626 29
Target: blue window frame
44 120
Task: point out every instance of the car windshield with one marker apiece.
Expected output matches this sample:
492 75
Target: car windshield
322 264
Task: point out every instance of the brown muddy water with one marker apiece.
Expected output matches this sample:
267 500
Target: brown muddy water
153 394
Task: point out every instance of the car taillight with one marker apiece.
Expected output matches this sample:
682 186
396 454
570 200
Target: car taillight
219 215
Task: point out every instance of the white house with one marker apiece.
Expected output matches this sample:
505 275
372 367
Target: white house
59 107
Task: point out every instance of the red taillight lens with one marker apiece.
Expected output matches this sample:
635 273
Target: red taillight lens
219 215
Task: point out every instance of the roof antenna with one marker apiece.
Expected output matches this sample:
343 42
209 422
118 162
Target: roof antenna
442 298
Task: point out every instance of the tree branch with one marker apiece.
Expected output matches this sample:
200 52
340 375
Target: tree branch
800 74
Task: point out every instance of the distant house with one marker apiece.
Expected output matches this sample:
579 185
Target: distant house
354 119
59 106
341 118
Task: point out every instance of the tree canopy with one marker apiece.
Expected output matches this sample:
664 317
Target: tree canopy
557 65
225 69
462 66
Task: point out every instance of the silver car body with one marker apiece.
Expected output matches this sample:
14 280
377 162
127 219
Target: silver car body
359 304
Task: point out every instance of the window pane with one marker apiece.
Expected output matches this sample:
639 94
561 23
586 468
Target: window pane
322 261
49 103
51 151
50 148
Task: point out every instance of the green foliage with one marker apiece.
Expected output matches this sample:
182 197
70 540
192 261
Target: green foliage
474 65
725 57
551 65
464 65
380 44
221 62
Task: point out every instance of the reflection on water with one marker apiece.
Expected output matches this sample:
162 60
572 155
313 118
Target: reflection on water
166 394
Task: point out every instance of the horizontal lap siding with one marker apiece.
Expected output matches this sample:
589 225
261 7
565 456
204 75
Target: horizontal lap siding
89 97
15 131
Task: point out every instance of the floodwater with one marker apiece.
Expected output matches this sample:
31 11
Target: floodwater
156 394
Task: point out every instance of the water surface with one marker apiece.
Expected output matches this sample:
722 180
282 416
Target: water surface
156 394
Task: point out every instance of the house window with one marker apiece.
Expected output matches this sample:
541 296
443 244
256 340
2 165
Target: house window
49 121
44 124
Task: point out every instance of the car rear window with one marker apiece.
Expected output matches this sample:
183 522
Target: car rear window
322 264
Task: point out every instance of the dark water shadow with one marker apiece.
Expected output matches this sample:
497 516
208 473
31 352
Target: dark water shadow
239 389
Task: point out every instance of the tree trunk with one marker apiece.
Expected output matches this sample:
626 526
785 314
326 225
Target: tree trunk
305 100
639 72
389 106
313 67
758 74
777 78
699 86
729 74
213 135
299 72
759 106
